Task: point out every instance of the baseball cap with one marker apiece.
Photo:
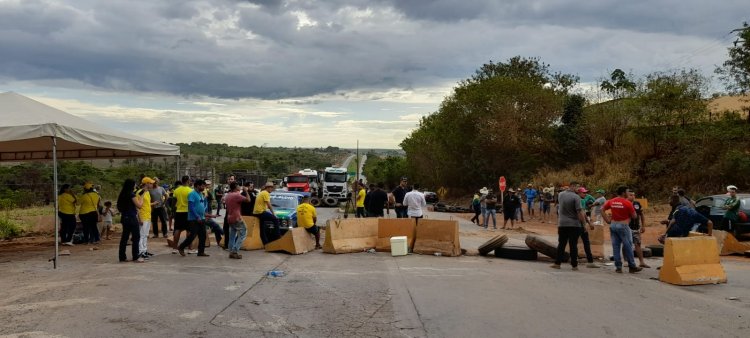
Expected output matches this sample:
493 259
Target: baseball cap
268 184
147 180
208 181
601 191
731 187
88 185
582 190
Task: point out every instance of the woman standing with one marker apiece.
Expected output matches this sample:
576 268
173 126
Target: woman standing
66 210
128 205
89 214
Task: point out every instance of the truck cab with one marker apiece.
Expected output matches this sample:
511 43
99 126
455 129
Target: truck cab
297 182
335 183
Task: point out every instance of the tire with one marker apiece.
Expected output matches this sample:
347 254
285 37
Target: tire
657 250
330 201
314 201
493 244
646 253
747 253
546 248
516 252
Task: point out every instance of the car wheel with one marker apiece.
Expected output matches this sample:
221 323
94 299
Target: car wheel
516 253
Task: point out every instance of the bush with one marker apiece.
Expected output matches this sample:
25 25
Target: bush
10 228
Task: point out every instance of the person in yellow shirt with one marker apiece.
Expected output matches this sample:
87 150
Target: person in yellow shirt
144 215
360 199
88 213
180 195
66 210
307 217
264 211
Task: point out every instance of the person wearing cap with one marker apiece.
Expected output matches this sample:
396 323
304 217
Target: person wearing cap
144 215
158 196
398 195
491 209
597 207
619 228
548 196
569 225
511 203
264 211
637 227
587 201
586 226
180 195
89 214
196 219
531 195
307 217
732 207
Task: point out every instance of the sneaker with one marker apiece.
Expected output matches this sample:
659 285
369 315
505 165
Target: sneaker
174 251
634 269
233 255
592 265
575 268
190 252
149 254
555 266
618 270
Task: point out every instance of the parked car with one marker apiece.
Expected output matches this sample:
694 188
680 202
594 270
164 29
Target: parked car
285 208
711 207
430 197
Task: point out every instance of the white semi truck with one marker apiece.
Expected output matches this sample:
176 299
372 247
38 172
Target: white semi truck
334 182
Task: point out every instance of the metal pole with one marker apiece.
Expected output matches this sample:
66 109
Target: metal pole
178 168
54 192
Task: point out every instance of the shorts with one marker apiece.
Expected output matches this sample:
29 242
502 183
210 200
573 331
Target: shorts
636 237
180 221
509 214
313 230
108 225
545 208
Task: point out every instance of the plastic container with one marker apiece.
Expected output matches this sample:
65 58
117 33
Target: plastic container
399 246
275 273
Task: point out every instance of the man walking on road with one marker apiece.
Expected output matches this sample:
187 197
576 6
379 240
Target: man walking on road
237 227
181 209
619 228
196 219
398 195
569 225
414 201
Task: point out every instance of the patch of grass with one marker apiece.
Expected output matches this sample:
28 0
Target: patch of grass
10 228
33 211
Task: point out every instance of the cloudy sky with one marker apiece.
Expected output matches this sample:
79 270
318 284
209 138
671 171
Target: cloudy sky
319 73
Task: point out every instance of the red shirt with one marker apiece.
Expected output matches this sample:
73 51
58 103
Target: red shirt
233 200
622 209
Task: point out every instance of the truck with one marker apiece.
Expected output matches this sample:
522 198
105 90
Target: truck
297 182
334 183
313 180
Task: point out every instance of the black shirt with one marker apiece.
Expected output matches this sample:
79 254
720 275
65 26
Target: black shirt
377 201
246 208
399 194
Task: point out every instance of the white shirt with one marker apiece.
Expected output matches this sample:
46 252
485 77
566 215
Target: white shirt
415 201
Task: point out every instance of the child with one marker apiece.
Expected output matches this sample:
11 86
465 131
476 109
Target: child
107 217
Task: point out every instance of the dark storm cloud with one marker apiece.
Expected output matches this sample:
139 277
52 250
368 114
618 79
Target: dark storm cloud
285 49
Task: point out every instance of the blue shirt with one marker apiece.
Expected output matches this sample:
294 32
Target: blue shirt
685 218
196 206
530 194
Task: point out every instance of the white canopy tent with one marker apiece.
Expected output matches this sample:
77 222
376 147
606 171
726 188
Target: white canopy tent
33 131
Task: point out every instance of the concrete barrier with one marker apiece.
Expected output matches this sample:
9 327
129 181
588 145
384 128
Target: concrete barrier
692 261
350 235
392 227
728 244
295 241
437 236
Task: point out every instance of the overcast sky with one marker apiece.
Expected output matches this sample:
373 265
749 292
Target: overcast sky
319 73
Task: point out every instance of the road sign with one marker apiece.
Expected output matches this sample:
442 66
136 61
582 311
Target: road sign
502 183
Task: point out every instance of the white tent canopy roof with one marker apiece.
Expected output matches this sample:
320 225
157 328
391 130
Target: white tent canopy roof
27 127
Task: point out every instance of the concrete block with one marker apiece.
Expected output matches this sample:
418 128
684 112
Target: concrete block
392 227
692 261
295 241
437 236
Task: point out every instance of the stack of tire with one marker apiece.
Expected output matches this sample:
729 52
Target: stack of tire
493 244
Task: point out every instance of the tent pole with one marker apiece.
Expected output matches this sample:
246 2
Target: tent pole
54 192
177 178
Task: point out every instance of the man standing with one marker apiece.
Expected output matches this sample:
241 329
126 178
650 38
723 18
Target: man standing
398 195
414 201
510 204
144 213
225 228
732 207
361 194
491 204
530 194
219 193
585 226
637 228
237 226
619 228
377 201
307 218
181 209
569 225
264 211
598 203
196 218
158 197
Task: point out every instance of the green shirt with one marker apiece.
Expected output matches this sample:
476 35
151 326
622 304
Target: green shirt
587 202
733 206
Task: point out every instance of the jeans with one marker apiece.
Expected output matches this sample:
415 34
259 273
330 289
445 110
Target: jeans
490 212
519 210
196 229
156 214
216 229
401 212
530 205
265 235
568 235
237 235
145 227
360 212
130 228
587 246
621 236
477 211
67 227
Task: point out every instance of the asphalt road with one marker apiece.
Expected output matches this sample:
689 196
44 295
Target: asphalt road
355 295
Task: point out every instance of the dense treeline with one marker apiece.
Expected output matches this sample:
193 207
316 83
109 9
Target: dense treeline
520 120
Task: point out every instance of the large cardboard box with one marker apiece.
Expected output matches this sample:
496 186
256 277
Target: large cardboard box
295 241
437 236
350 235
392 227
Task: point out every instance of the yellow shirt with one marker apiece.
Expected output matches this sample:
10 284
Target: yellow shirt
361 198
181 196
145 210
66 204
305 215
88 201
260 202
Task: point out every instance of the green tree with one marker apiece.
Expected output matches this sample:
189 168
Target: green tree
735 71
